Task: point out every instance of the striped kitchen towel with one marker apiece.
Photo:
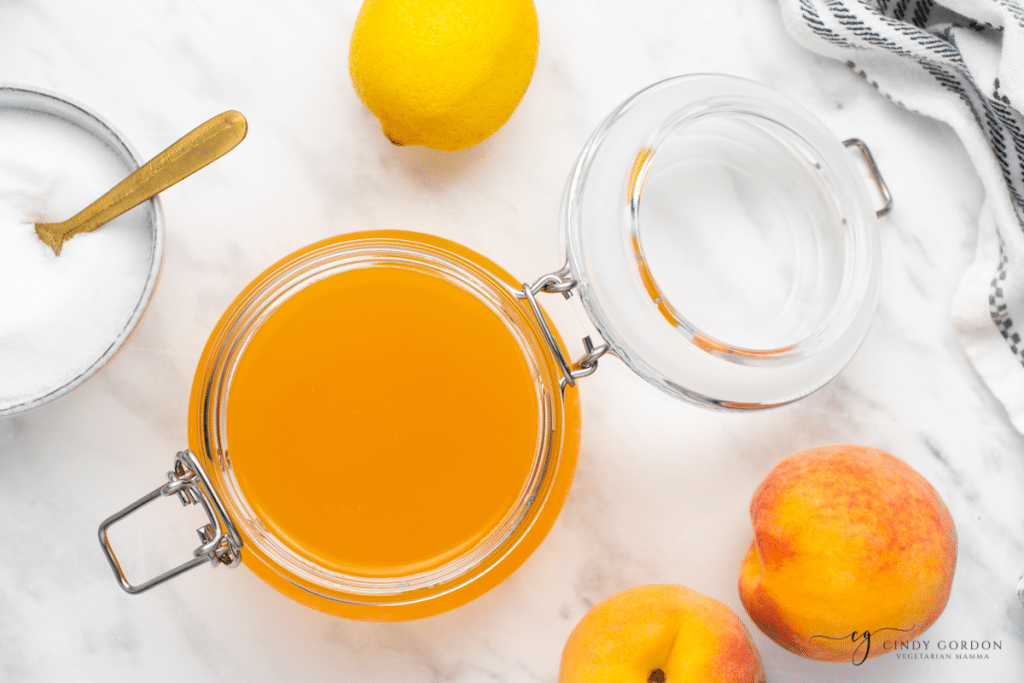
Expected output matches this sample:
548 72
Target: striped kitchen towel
962 62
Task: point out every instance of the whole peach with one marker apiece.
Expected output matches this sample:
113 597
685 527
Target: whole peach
659 634
852 548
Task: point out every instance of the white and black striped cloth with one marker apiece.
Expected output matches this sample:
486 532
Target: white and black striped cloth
961 62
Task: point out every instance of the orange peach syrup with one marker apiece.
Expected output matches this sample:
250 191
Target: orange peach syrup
382 421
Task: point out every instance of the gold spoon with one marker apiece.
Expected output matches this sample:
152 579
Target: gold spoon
202 146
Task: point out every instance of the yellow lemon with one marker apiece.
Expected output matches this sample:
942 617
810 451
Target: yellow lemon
443 73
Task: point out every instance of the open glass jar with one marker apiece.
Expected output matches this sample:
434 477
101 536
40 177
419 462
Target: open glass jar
385 424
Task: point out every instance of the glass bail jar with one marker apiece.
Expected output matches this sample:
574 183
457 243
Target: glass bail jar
385 424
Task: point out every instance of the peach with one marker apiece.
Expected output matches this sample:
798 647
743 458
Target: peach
659 634
852 548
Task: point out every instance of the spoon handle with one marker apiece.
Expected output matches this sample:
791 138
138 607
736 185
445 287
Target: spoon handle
202 146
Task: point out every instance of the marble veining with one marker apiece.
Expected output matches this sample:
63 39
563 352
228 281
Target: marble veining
661 490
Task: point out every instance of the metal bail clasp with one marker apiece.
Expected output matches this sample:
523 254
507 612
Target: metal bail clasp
220 542
561 282
876 175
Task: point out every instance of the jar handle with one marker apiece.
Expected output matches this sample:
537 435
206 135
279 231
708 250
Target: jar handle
220 542
876 175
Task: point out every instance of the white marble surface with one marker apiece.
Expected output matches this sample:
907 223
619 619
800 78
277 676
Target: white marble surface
662 489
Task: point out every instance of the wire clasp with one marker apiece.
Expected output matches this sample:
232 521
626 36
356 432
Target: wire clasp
561 282
219 540
876 175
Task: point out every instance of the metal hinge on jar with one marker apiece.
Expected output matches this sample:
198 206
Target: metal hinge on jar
874 173
561 282
219 540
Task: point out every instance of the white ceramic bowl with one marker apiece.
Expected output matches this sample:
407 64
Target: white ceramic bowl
58 157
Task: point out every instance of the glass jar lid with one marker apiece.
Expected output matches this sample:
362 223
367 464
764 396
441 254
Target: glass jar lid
722 242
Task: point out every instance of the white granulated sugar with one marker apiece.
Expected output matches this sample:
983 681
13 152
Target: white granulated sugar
60 314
